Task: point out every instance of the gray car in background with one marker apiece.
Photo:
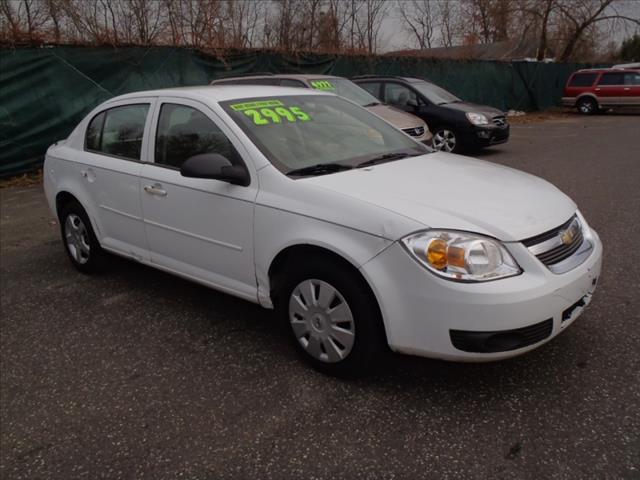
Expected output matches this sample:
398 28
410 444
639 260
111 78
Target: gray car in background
409 124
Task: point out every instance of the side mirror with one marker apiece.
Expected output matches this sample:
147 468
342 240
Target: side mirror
216 167
413 104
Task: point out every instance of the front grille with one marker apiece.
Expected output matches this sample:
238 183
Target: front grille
558 244
501 340
500 120
414 132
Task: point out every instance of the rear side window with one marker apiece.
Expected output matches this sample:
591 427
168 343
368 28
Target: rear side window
184 132
118 131
582 79
372 87
401 96
612 79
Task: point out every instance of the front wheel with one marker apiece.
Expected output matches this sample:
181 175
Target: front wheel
332 317
445 140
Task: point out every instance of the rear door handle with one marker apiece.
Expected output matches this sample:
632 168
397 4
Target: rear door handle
627 88
155 189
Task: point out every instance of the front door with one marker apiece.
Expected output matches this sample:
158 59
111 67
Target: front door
199 228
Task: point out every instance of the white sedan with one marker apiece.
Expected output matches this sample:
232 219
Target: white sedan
302 201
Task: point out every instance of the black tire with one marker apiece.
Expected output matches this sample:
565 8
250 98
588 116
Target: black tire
587 106
369 338
442 137
93 259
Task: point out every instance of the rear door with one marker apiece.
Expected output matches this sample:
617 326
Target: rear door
610 88
114 149
200 228
405 98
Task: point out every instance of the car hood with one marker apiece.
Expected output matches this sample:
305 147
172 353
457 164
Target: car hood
442 190
475 108
396 117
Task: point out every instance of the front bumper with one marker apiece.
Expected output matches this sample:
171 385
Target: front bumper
421 310
487 136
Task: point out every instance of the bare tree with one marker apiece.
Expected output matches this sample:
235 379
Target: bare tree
582 16
368 24
419 19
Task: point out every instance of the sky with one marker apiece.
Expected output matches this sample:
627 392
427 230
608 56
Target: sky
395 37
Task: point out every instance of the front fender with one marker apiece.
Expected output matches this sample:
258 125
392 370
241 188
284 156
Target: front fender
276 230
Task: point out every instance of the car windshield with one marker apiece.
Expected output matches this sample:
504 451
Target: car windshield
345 88
435 94
300 131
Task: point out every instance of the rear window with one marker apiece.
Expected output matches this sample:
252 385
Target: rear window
583 79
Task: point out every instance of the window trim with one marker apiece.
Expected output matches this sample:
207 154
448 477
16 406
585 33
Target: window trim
120 157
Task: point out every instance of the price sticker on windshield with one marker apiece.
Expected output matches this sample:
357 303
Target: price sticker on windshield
322 85
268 112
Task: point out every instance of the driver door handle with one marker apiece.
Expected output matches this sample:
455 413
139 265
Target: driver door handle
155 189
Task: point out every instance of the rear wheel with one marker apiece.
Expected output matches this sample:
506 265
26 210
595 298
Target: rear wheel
80 242
332 318
587 106
445 140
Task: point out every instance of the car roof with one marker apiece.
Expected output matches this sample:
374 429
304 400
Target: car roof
390 77
612 69
220 93
293 76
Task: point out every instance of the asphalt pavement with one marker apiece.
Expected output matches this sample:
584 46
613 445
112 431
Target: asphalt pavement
136 374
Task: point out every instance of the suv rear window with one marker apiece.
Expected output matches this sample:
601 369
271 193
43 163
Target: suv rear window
583 79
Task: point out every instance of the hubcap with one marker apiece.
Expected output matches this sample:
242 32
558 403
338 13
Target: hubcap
321 321
444 140
77 238
586 107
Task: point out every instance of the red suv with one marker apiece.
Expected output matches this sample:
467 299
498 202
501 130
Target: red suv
597 89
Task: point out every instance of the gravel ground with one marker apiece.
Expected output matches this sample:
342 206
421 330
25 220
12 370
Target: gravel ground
138 374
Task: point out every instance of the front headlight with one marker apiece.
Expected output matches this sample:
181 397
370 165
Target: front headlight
460 256
478 118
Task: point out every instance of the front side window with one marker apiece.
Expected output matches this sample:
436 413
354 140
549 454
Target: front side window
300 131
632 78
583 79
118 131
612 79
184 132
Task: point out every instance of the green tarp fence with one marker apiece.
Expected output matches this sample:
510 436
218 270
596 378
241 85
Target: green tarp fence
45 91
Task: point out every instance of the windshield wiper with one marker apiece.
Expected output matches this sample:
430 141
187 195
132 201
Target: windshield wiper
372 104
319 169
387 157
